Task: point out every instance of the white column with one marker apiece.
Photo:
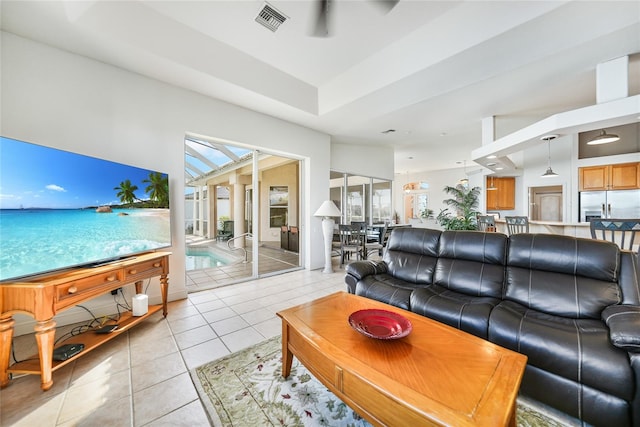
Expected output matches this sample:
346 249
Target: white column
238 213
488 130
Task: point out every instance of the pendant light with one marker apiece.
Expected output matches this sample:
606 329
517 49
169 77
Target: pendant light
603 138
549 173
492 187
464 181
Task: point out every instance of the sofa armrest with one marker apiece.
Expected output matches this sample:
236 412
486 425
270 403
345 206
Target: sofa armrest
624 326
360 269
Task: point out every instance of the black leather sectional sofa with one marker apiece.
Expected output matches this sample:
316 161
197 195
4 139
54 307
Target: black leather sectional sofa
571 305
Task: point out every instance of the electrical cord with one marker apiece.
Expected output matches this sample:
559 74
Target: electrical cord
147 287
73 332
77 330
124 305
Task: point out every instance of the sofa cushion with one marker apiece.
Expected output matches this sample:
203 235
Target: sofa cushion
465 312
565 254
411 254
594 407
472 262
385 288
562 275
576 349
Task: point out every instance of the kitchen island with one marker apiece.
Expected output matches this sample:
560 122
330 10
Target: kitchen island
575 229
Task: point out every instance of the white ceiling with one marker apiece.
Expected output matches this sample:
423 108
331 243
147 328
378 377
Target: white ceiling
431 70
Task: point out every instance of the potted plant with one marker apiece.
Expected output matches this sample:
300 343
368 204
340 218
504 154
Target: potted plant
426 213
465 203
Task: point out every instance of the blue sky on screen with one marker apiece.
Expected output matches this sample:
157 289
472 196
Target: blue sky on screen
33 176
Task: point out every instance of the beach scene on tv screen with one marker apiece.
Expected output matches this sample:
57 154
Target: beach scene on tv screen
60 209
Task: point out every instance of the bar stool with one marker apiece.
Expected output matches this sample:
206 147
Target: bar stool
619 231
486 222
517 224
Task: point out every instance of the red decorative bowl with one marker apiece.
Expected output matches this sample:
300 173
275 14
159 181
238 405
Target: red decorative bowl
380 324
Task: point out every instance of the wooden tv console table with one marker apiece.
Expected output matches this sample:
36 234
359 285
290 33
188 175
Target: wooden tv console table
46 295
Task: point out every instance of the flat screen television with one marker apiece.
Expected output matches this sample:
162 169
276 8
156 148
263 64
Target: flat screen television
62 210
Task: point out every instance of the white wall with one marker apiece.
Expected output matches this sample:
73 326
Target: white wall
373 161
535 164
58 99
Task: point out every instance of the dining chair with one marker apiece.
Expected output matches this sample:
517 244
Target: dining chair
619 231
486 222
351 241
372 243
226 232
517 224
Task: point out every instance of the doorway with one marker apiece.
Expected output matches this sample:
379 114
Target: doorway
237 201
545 203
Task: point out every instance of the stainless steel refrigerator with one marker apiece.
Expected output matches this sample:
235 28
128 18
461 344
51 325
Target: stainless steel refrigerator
609 204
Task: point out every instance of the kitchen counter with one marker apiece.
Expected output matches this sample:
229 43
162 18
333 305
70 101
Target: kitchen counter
575 229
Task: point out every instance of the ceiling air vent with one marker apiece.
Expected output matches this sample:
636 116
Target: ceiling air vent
270 18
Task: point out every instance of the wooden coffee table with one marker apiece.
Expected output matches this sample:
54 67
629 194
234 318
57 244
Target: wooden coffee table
437 375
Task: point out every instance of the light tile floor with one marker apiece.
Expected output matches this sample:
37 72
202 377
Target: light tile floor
141 378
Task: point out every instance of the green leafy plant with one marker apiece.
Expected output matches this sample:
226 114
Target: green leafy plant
465 203
221 220
426 213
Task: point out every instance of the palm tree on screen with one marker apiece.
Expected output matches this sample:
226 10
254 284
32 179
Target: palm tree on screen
158 188
126 191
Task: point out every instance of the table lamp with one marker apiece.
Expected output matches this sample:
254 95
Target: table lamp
327 210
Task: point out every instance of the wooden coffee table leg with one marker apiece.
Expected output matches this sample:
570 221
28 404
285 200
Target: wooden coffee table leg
287 355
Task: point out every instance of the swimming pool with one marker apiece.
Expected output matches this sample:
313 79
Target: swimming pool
201 258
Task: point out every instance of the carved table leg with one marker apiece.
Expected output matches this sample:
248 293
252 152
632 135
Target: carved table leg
164 290
6 335
45 335
138 287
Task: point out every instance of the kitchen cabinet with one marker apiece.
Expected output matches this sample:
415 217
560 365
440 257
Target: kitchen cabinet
622 176
504 195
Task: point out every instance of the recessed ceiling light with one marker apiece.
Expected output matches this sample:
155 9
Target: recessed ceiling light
499 169
491 164
493 156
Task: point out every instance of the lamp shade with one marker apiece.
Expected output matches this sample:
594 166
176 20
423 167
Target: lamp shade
603 138
327 209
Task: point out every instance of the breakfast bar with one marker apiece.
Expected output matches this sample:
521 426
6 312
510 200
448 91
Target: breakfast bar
574 229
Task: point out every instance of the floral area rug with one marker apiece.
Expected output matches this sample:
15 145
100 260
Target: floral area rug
246 389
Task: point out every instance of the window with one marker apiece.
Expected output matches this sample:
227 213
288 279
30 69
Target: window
278 206
361 198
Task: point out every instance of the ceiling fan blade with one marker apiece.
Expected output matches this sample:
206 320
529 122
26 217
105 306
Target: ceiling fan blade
385 5
321 28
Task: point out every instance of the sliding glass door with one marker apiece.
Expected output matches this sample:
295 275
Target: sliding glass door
241 204
361 198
